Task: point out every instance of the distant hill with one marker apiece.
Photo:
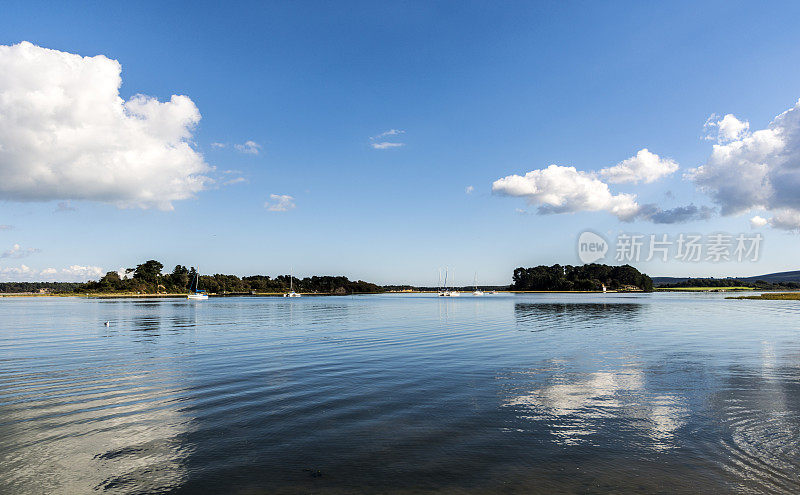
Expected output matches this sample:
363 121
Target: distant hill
793 276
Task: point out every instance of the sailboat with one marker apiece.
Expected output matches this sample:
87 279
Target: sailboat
443 292
194 293
477 291
454 292
291 292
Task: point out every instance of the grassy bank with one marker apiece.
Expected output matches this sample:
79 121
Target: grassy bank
703 289
772 296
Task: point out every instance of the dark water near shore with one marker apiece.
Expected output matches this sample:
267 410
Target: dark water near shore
651 393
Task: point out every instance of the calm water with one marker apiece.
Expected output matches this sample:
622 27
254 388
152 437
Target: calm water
652 393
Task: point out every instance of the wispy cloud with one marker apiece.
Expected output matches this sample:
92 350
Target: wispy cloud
280 202
390 132
235 180
679 214
17 251
249 147
64 206
72 273
379 142
6 227
218 145
469 189
385 145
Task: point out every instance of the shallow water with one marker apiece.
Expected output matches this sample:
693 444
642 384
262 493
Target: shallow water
545 393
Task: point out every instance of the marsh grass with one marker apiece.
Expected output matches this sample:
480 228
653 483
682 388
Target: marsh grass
772 296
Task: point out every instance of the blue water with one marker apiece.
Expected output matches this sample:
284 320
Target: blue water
561 393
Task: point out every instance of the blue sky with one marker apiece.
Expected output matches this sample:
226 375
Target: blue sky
482 91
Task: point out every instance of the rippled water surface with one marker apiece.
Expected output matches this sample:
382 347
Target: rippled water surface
651 393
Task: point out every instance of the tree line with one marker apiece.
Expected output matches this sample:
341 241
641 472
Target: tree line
30 287
586 277
148 278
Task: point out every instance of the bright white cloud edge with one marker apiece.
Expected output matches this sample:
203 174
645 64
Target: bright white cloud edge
755 170
66 134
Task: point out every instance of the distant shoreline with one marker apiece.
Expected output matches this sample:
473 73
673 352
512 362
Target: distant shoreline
280 294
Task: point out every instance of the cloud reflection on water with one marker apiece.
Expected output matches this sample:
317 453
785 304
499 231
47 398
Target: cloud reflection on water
576 406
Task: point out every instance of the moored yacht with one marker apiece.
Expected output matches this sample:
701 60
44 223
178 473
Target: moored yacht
195 293
477 291
291 292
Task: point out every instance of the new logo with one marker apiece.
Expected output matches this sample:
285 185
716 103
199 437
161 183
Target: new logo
591 247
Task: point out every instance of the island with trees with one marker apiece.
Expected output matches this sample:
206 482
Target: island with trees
589 277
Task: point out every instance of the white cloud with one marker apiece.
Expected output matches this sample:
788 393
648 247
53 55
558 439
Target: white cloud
558 189
280 202
379 144
17 252
390 132
469 189
728 128
73 273
249 147
81 273
756 170
66 134
6 227
16 274
757 222
218 145
235 180
385 145
644 167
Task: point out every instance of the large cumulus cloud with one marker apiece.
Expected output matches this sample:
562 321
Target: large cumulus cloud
755 170
66 134
558 189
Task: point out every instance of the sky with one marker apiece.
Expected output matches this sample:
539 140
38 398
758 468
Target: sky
385 140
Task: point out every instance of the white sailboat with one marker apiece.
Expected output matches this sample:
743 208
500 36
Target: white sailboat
443 292
454 292
196 294
291 292
477 291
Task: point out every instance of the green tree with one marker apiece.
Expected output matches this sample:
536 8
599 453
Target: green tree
148 272
179 278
